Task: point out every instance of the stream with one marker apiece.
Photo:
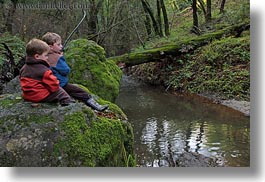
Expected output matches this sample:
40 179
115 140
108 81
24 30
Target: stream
172 130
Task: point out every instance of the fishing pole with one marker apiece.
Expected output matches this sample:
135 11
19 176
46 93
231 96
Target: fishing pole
76 27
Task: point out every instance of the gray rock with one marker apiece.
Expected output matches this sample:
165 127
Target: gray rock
51 135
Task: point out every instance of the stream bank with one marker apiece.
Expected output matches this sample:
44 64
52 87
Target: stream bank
183 130
218 71
241 106
138 72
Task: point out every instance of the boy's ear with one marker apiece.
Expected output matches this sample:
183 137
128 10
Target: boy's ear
36 56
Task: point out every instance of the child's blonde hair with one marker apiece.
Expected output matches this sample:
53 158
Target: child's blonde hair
50 38
36 46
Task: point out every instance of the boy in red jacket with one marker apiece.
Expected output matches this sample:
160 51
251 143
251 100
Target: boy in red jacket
37 81
61 70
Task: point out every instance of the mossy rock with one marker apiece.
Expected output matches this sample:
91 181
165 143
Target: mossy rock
52 135
91 69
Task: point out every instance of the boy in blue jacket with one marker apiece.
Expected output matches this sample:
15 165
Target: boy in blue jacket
61 70
38 83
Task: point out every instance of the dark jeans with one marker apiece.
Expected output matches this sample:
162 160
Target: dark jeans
60 96
77 92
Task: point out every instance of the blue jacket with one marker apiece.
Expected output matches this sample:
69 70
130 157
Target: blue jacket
61 70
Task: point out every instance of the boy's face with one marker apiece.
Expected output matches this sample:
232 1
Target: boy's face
43 56
57 46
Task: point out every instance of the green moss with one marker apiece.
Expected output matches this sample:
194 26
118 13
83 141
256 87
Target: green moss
91 69
114 109
92 143
223 68
78 136
36 118
230 50
9 100
74 135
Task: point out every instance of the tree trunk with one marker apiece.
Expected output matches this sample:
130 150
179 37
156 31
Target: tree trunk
166 23
202 6
209 11
148 10
178 49
194 13
195 27
148 26
159 19
10 16
222 7
147 21
93 20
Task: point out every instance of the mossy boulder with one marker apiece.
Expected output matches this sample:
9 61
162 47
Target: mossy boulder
89 67
46 134
51 135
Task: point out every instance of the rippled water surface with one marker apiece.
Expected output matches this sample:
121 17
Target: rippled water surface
167 125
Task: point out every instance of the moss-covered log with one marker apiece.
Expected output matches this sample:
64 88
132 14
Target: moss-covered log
180 48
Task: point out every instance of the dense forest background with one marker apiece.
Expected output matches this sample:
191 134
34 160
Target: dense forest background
120 25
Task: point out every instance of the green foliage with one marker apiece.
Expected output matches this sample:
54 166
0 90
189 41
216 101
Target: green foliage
15 44
236 11
234 15
230 50
221 67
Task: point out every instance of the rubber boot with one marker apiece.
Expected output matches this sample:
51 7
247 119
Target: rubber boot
94 105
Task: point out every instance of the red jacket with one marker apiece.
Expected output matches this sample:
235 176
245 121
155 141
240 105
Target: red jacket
37 80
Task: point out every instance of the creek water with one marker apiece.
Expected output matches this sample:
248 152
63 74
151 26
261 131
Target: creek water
167 125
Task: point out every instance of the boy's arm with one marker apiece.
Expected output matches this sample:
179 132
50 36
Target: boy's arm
61 67
50 81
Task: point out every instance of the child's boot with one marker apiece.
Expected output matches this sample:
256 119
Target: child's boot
94 105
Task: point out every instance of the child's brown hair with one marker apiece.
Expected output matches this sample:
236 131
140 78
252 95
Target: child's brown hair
36 46
50 38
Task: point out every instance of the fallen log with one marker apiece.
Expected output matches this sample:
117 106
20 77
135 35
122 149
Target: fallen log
178 49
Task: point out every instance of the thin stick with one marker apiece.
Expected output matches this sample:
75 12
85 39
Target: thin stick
68 38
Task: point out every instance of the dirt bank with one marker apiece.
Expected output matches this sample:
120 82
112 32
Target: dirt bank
242 106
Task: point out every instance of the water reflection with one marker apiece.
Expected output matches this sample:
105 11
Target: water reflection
149 134
166 126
